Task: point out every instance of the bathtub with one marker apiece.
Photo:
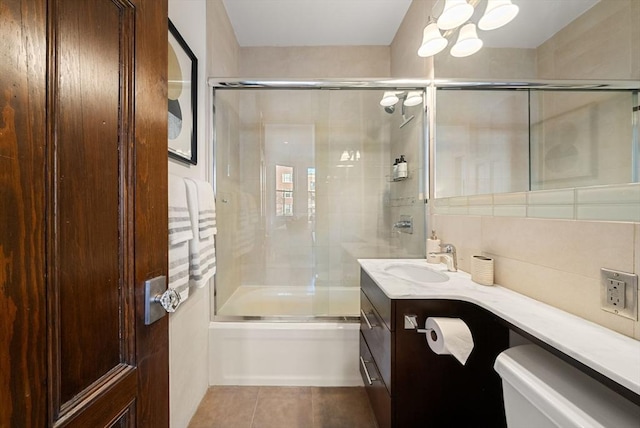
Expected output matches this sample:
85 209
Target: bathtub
286 336
284 353
292 301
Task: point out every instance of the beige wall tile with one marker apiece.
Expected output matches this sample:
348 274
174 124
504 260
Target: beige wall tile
636 256
314 61
222 45
578 247
606 32
573 293
464 232
634 16
489 63
405 61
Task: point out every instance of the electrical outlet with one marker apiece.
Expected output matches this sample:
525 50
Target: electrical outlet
615 293
620 293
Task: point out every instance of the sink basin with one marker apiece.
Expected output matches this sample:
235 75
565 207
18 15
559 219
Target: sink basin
415 273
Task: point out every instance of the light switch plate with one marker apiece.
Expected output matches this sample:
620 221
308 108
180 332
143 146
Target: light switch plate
619 293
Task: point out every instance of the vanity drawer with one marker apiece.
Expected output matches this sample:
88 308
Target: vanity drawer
378 395
380 300
378 338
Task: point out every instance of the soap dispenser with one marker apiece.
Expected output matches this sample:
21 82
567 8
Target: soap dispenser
403 171
433 246
394 174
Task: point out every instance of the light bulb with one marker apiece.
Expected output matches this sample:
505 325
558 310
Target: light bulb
413 98
454 14
432 41
468 42
389 99
497 14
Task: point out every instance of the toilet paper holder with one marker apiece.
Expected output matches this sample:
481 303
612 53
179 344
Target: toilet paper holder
411 323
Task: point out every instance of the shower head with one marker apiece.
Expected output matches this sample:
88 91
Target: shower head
390 109
406 120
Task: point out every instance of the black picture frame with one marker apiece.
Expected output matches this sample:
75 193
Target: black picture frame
182 101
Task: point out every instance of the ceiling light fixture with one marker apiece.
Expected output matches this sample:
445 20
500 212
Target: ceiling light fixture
409 99
413 98
468 42
497 14
455 17
455 13
388 99
432 40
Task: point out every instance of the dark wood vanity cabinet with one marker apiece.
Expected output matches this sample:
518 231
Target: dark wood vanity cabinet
409 385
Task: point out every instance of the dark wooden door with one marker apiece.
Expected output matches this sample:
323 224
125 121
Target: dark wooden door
83 212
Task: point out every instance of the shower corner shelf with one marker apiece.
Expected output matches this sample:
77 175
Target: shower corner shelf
409 176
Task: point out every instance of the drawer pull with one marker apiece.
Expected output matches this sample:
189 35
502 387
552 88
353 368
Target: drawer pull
370 379
367 320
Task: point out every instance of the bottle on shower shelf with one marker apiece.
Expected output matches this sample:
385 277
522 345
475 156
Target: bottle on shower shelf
394 173
403 171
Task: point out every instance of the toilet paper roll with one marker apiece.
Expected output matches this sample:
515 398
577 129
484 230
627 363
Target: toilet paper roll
449 336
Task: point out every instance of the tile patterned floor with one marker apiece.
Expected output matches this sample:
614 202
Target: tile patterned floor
283 407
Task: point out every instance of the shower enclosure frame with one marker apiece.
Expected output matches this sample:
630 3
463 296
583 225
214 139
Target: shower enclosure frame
429 88
217 84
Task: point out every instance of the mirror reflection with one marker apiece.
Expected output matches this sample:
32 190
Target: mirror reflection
517 140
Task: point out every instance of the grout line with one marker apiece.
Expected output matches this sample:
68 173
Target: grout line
313 418
255 407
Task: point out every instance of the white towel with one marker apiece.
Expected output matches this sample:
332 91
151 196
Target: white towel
180 233
206 209
202 250
179 220
179 268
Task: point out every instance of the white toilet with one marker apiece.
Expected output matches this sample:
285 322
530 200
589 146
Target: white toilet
540 391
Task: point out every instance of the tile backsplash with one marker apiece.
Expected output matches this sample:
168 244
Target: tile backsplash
556 261
605 203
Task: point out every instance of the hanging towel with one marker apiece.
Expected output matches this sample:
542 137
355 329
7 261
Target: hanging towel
179 269
180 234
206 209
202 250
179 220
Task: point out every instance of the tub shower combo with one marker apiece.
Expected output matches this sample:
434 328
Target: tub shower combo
304 187
311 176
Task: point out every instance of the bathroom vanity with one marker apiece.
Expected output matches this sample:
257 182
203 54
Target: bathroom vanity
409 385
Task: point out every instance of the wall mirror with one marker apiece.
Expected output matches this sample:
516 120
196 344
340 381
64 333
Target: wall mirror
500 141
565 137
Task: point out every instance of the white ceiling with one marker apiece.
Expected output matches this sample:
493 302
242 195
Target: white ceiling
375 22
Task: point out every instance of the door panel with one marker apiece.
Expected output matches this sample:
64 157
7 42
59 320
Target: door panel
83 212
91 213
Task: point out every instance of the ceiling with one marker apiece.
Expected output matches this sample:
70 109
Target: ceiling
375 22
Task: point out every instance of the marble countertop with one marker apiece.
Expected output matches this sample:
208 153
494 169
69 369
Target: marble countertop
609 353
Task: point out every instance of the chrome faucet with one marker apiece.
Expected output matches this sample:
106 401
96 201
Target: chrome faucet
402 224
450 257
405 224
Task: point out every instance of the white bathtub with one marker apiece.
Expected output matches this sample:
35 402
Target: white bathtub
287 301
284 353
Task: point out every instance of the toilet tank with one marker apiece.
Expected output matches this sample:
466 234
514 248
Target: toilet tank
541 391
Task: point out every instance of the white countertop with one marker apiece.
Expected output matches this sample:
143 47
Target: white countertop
611 354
